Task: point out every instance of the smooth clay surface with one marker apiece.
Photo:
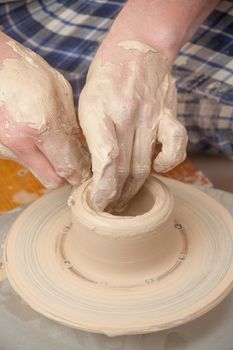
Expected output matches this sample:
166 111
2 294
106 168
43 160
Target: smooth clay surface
126 249
198 275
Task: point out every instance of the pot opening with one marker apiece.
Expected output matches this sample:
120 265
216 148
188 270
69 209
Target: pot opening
140 204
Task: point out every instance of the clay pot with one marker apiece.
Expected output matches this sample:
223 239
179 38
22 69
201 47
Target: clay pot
128 248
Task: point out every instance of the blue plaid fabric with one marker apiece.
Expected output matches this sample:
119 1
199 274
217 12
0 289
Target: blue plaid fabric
67 34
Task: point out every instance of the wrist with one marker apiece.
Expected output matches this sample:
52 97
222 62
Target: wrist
164 25
166 42
158 34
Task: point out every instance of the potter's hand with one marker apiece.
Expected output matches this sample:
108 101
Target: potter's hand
127 106
38 125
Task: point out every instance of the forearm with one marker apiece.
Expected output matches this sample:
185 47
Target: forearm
164 25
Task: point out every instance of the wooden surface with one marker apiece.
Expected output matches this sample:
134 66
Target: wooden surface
18 186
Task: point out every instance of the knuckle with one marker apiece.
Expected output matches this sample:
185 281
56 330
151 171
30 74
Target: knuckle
179 131
181 156
131 105
105 158
113 152
123 172
123 111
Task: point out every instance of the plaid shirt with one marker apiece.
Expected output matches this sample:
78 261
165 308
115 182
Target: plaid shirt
67 34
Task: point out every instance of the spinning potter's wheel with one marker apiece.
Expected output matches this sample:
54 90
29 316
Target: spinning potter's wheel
166 262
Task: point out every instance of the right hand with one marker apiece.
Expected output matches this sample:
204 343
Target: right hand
38 125
127 106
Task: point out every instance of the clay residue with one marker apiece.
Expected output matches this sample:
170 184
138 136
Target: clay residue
136 45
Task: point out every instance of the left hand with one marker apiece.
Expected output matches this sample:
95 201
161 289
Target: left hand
38 125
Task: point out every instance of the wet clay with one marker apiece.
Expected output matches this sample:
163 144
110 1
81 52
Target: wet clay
128 248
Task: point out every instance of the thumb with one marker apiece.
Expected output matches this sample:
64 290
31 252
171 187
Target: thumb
173 136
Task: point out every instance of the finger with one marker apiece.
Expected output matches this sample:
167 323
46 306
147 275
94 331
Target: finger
28 154
66 154
72 162
140 162
125 136
100 134
66 100
173 136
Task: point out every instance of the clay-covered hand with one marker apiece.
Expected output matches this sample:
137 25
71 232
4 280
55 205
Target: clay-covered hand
127 106
38 126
